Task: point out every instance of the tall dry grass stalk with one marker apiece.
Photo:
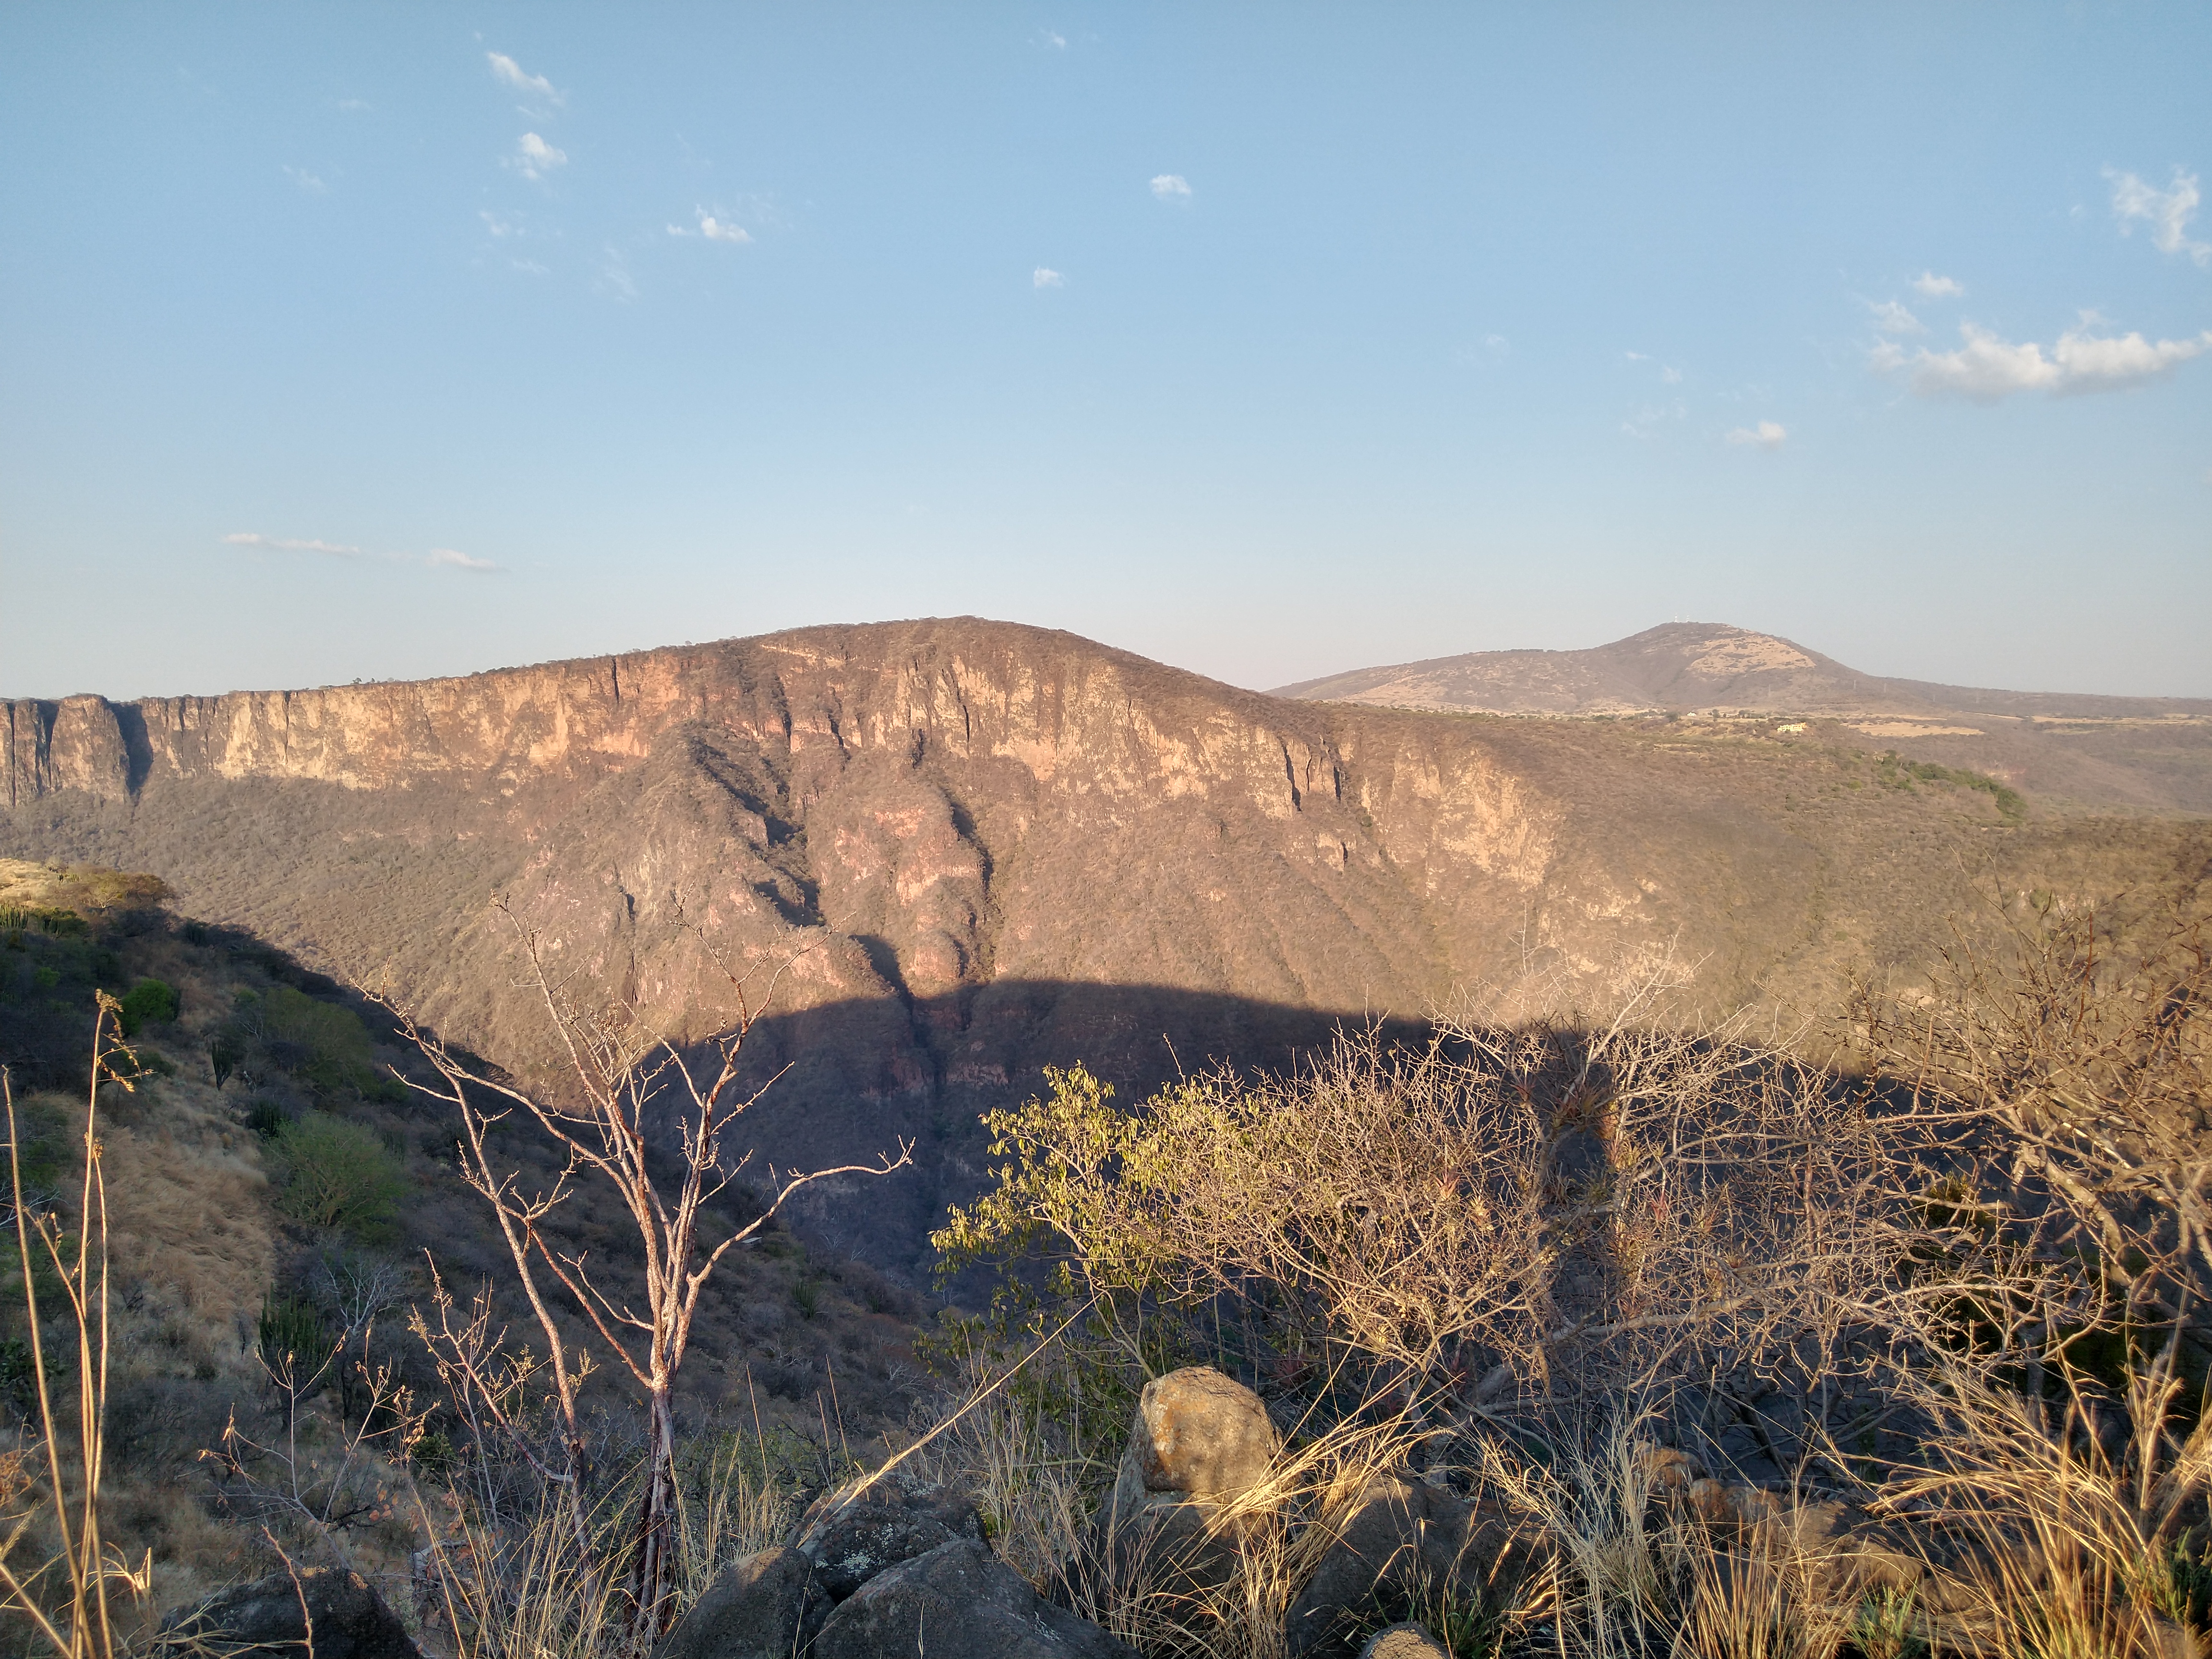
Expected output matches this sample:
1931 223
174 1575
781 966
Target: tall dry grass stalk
516 1591
68 1599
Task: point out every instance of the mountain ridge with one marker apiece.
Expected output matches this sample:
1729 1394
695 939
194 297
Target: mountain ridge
984 849
1766 674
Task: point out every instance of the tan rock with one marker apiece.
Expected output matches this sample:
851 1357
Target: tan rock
1402 1641
1197 1433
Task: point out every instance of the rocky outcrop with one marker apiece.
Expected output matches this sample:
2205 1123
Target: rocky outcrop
753 1610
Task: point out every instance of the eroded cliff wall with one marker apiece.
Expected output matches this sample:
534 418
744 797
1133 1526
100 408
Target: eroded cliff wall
974 849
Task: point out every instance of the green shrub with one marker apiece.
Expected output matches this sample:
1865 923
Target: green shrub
336 1053
149 1002
291 1326
338 1174
267 1119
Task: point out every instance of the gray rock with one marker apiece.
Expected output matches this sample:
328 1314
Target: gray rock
752 1610
867 1538
265 1620
1405 1537
956 1602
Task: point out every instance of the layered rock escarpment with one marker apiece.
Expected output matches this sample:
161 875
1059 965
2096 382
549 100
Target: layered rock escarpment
980 849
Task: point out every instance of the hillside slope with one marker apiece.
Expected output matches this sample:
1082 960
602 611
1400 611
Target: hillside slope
997 847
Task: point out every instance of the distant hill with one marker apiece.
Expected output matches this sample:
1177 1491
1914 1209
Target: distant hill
2144 753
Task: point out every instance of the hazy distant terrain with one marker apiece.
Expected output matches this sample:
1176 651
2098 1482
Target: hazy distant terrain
2143 753
1000 847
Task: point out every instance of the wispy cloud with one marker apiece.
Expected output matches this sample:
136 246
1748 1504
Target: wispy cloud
534 158
2167 212
1928 286
289 544
449 558
507 71
1645 420
1767 434
1172 187
1669 375
713 228
354 105
306 181
613 274
1892 318
1046 277
1986 368
501 224
438 558
1052 39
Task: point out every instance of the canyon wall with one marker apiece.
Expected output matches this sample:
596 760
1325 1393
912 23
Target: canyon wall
969 849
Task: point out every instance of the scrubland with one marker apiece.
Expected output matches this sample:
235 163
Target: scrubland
1880 1335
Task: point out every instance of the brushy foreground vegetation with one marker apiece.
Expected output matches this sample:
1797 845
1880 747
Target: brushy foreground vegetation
1937 1301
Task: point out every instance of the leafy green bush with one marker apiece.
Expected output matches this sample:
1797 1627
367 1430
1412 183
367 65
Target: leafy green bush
149 1002
338 1174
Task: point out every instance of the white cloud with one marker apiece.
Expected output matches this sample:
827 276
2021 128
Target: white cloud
2167 212
500 224
1767 434
1045 277
1892 318
1172 187
1669 376
534 158
453 559
1987 369
720 230
306 181
354 105
507 71
287 544
1052 38
1928 286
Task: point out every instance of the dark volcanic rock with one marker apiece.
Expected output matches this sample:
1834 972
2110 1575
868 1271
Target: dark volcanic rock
956 1602
752 1610
267 1620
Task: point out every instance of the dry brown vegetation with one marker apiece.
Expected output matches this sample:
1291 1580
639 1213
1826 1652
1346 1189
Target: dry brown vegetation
1930 1313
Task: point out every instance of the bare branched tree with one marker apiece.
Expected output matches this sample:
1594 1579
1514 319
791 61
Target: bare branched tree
627 1083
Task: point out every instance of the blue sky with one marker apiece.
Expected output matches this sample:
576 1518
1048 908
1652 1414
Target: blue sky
388 340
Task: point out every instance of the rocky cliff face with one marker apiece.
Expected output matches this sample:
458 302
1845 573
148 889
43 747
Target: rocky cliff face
979 848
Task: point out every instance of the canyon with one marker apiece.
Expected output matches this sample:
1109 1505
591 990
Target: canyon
964 850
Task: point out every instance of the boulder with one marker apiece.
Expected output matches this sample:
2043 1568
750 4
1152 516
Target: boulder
861 1540
1404 1538
1200 1441
266 1619
956 1602
1402 1641
1198 1433
752 1610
